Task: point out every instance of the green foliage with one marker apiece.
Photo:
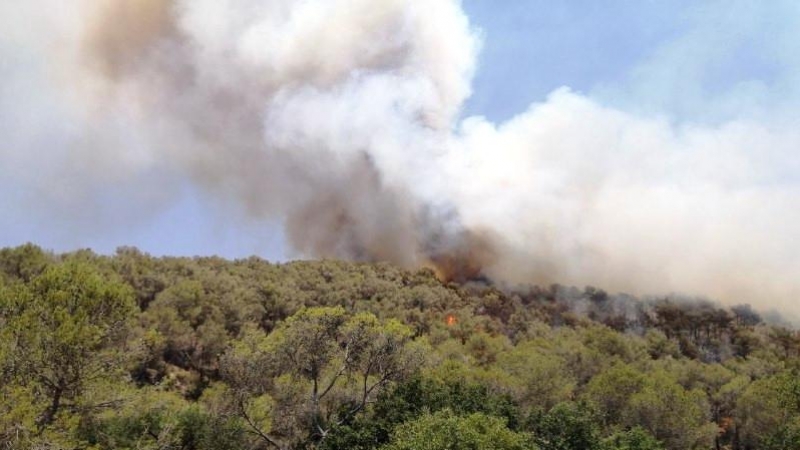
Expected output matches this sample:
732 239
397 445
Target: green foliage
634 439
769 411
412 398
135 352
543 374
192 321
611 391
677 417
784 437
62 336
567 426
156 420
446 431
23 263
327 366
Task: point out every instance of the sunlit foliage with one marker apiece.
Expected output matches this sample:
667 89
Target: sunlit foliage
135 352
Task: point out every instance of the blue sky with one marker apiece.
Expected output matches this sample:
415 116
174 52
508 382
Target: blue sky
685 60
532 47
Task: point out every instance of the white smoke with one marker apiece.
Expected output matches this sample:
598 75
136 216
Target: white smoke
342 119
586 194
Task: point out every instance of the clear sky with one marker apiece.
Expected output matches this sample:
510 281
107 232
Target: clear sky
685 60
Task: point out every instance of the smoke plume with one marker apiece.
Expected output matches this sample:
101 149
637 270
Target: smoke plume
343 119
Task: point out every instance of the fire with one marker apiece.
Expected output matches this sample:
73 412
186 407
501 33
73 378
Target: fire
450 320
462 260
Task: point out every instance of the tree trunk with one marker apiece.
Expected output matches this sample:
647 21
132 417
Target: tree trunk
50 413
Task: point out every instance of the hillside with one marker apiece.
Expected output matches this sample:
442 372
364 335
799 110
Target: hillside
135 352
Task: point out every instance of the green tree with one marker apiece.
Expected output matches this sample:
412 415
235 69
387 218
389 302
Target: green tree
768 411
24 262
636 438
446 431
191 320
567 426
677 417
785 437
325 366
141 272
155 420
58 338
410 399
544 377
611 391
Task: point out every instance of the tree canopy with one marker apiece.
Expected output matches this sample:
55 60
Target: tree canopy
135 352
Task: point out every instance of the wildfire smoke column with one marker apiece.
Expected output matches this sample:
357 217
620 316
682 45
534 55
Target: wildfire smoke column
343 119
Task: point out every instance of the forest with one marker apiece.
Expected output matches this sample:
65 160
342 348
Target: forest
131 351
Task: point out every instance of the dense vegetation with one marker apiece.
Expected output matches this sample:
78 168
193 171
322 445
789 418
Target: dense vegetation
135 352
